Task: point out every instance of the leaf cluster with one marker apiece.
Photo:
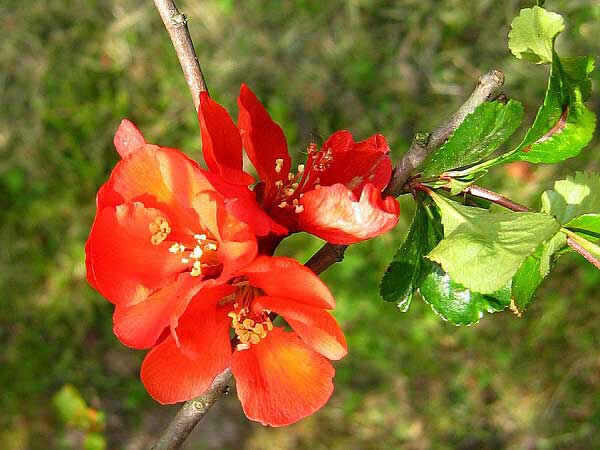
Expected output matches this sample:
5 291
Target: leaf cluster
465 258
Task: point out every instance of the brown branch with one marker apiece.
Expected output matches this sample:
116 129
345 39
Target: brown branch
494 197
176 25
424 144
191 413
583 252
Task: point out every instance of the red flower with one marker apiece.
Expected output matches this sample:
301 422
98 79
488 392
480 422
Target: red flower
336 195
281 376
162 233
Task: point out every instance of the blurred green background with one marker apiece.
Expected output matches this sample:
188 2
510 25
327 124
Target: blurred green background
71 69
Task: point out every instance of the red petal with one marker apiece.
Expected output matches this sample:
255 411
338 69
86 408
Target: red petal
128 138
241 203
171 375
316 327
355 164
334 214
140 325
237 244
280 380
221 142
158 177
126 266
284 277
263 139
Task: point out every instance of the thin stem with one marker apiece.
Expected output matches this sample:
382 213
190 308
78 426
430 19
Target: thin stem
176 25
494 197
191 413
577 243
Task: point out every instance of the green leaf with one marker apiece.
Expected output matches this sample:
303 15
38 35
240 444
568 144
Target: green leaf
573 197
457 304
483 250
587 225
401 278
563 125
480 134
532 34
526 282
549 249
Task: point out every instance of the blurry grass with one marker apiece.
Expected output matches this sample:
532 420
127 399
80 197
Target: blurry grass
70 70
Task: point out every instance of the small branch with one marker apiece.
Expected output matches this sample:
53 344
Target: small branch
424 145
327 255
191 413
583 252
176 25
494 197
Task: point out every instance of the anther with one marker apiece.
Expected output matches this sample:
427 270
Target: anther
200 237
196 269
282 205
300 168
279 184
299 209
291 176
278 164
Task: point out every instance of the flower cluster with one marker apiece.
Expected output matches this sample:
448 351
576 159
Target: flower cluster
185 255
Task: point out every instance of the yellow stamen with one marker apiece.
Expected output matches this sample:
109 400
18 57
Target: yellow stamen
160 229
278 164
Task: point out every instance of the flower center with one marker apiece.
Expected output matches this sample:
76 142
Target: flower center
249 327
201 254
290 192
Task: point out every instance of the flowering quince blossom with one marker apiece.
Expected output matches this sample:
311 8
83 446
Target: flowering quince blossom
168 248
160 236
335 195
281 376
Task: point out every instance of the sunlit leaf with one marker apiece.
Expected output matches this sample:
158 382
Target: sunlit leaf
483 250
481 133
532 34
573 197
456 303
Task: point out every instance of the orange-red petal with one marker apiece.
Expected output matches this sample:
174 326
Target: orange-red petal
140 325
315 326
173 375
237 244
128 138
355 164
280 380
335 214
241 203
221 142
262 138
159 177
279 276
127 268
